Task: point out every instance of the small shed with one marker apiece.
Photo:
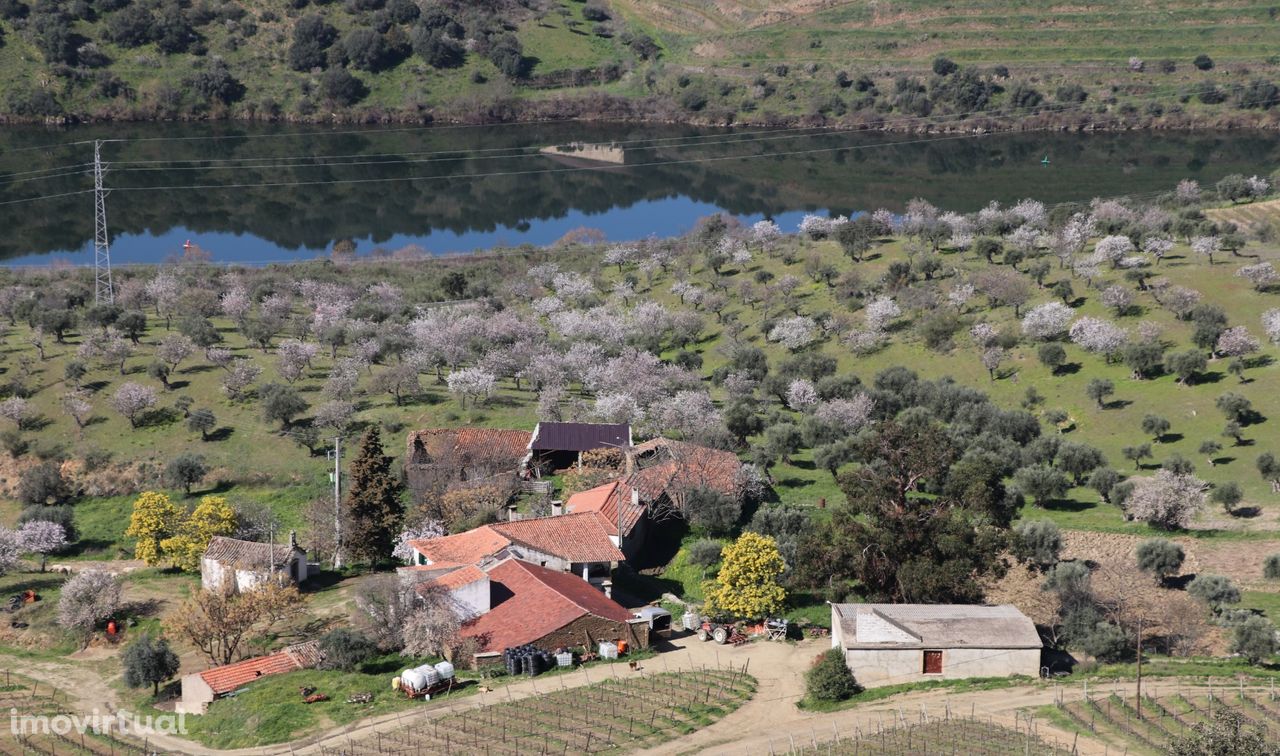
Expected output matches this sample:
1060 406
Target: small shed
201 688
887 644
558 446
240 565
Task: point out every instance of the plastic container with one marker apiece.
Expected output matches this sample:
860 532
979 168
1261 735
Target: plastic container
395 683
533 665
429 673
413 680
690 620
608 650
445 670
564 660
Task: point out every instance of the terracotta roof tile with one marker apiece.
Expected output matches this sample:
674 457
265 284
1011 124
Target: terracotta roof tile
485 443
458 578
606 501
229 677
534 602
469 547
579 537
685 466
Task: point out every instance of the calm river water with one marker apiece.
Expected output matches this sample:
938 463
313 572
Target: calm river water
258 194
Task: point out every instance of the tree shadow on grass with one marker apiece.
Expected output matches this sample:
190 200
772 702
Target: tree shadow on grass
94 387
201 368
221 434
176 385
1212 376
1068 368
1178 582
1170 438
1247 513
1223 460
159 417
1117 404
1067 505
38 582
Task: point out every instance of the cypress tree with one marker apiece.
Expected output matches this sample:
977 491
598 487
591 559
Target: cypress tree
374 508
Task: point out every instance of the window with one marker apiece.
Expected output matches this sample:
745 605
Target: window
933 662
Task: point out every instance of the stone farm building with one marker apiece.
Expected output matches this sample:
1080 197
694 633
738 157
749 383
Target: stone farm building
240 565
887 644
559 446
438 457
201 688
549 609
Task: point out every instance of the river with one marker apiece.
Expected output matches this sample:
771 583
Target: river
256 194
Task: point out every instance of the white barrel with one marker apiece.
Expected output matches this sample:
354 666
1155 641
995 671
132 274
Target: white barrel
564 660
445 670
690 620
413 679
608 650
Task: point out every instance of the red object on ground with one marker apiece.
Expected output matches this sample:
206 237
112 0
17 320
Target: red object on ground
111 627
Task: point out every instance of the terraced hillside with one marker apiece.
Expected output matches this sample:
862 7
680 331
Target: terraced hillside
1174 64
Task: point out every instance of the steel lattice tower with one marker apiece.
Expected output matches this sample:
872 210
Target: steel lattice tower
102 292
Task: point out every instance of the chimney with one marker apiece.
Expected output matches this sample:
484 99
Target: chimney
293 539
557 508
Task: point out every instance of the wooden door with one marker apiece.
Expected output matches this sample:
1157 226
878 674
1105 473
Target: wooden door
933 662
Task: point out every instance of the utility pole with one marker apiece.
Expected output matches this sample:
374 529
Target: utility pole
336 454
102 290
1139 667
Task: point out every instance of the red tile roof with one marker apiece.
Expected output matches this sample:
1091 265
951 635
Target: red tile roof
229 677
469 444
684 466
581 537
469 547
606 500
458 578
534 602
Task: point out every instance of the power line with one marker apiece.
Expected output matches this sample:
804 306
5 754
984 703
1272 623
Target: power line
45 197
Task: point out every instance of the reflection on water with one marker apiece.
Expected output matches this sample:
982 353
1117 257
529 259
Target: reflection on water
254 195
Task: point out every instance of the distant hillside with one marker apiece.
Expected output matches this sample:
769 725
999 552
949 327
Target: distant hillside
1108 63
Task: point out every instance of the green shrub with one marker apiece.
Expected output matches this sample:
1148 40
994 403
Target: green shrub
345 649
829 679
1271 567
1254 639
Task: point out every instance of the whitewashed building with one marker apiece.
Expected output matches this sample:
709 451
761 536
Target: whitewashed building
244 564
887 644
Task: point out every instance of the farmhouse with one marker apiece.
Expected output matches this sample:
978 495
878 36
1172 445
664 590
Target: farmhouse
240 565
570 543
886 644
549 609
201 688
660 475
557 446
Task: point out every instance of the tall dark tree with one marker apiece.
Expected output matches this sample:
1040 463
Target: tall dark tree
373 502
905 534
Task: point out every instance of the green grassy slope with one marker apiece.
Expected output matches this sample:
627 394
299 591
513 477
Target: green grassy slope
733 60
